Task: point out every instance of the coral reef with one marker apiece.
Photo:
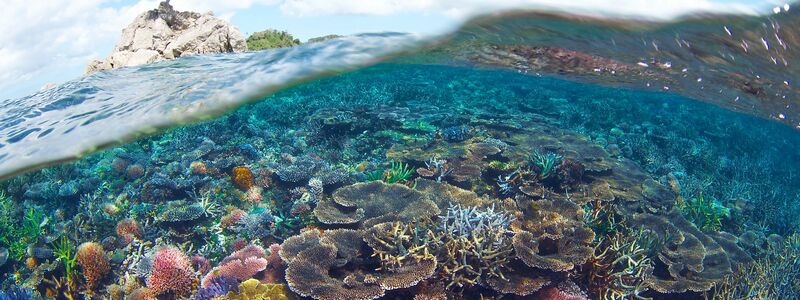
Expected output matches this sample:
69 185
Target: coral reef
401 182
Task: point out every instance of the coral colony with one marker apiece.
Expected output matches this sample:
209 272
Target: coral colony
418 191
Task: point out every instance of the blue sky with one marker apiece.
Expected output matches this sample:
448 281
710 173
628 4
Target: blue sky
52 41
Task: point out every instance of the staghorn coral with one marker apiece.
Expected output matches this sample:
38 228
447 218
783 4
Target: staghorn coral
93 261
372 201
545 163
201 264
242 178
776 275
241 265
170 273
231 218
553 237
618 267
464 246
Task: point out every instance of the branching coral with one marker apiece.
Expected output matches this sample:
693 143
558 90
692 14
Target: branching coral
255 225
546 163
466 245
618 268
171 272
128 230
94 263
774 276
705 214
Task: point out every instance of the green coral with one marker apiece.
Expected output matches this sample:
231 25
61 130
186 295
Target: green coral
63 251
398 173
269 39
546 162
17 237
705 214
420 126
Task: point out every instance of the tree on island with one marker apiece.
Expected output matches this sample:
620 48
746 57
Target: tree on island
271 38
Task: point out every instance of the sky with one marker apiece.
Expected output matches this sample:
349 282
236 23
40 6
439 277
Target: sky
51 41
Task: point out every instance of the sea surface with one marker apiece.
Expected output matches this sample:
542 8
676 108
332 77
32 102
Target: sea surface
527 155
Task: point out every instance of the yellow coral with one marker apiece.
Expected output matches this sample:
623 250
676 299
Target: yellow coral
242 178
253 289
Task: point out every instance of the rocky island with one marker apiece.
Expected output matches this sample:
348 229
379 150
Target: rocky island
165 33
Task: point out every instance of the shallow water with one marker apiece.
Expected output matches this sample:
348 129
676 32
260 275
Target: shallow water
478 166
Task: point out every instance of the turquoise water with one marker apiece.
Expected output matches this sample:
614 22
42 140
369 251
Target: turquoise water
471 168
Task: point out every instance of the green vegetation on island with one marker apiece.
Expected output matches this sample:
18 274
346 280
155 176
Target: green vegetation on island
269 39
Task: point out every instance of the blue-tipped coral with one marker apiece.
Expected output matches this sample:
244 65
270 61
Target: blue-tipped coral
473 222
545 162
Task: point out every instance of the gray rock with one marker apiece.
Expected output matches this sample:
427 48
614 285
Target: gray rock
165 33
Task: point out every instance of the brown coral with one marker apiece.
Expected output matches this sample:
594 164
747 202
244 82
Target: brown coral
309 271
128 230
92 259
688 259
553 237
242 178
373 201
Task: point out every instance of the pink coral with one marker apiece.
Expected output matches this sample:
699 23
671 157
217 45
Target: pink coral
562 292
171 272
242 265
253 194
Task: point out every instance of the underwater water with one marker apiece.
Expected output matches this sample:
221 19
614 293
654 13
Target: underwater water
467 169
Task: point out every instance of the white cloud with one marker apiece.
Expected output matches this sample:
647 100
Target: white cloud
53 40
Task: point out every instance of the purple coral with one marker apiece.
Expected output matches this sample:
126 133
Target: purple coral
217 287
